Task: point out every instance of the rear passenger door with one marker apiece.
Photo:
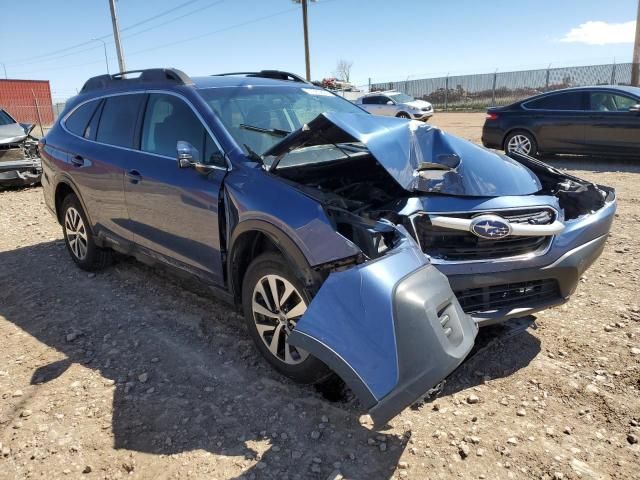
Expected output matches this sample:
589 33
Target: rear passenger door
612 128
104 132
558 121
173 212
372 104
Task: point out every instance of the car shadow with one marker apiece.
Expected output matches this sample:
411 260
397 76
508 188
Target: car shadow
185 375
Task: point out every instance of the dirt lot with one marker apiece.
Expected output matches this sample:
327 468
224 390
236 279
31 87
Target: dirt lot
131 373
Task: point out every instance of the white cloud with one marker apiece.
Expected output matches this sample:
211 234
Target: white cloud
601 33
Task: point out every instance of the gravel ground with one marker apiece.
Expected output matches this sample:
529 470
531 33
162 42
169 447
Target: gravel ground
133 373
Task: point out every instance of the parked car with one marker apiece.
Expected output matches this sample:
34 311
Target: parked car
19 160
586 120
396 104
331 228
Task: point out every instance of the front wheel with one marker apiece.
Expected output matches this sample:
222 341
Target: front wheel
521 142
403 115
273 301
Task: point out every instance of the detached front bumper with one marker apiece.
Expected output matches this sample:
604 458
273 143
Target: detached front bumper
391 328
20 173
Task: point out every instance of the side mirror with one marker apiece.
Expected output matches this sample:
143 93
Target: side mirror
389 102
635 108
186 153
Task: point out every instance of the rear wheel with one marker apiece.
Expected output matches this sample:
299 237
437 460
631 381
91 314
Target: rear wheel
273 301
79 238
521 142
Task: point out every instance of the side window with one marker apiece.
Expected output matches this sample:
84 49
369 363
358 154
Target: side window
118 120
167 120
383 100
79 119
369 100
610 102
560 101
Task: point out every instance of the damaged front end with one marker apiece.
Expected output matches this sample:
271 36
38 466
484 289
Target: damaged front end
433 217
19 160
513 235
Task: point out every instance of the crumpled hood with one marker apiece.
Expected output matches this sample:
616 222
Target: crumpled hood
420 157
11 133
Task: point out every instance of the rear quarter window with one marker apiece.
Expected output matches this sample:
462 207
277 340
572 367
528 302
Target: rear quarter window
118 120
558 101
77 122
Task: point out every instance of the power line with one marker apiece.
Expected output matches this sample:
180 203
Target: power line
161 14
153 27
72 47
196 37
213 32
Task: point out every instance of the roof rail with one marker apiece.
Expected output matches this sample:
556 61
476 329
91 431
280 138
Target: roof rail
275 74
156 75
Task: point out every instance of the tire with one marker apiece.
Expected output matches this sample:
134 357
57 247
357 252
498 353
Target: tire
266 272
79 238
521 140
403 115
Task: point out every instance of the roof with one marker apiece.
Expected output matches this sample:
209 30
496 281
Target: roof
624 88
236 80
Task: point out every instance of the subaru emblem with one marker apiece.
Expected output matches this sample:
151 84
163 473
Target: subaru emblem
491 227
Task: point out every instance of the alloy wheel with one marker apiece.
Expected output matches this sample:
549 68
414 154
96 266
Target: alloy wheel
519 143
277 305
76 233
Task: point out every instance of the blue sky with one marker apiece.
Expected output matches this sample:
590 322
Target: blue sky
386 40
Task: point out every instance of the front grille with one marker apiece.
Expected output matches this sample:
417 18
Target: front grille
510 295
457 245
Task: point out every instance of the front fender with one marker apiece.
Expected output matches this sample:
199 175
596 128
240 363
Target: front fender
253 195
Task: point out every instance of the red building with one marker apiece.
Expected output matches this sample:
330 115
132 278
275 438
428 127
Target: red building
24 99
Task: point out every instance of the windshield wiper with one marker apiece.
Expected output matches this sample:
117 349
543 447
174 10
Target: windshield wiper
276 132
252 155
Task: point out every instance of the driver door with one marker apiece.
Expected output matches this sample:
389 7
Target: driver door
173 212
612 127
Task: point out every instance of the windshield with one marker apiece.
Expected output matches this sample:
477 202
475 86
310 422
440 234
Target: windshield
258 117
401 97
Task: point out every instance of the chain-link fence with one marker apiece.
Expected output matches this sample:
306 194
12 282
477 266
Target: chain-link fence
477 92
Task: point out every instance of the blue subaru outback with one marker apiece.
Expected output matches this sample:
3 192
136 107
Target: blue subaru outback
362 246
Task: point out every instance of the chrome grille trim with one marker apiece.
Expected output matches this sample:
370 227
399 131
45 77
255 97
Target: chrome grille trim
500 212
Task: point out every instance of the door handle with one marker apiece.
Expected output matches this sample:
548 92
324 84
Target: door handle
78 161
134 176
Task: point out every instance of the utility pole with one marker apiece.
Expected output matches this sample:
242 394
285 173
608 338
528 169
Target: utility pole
635 66
116 35
306 36
5 69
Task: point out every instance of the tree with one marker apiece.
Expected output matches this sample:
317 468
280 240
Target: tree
343 69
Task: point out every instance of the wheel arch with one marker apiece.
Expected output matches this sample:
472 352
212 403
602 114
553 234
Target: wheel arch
64 187
402 112
253 237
